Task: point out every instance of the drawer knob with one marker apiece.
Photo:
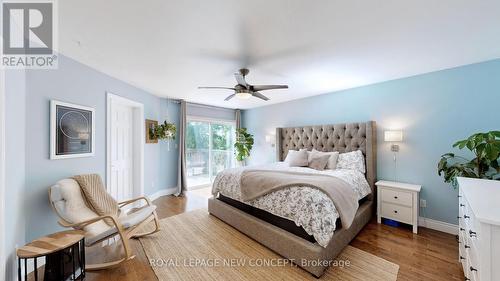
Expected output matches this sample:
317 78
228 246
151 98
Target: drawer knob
466 217
466 246
459 217
462 205
462 229
395 211
459 196
395 197
466 279
472 233
473 269
462 258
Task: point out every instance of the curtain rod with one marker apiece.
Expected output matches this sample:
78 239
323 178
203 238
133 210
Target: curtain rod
200 104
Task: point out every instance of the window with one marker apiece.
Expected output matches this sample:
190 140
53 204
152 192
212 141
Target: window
209 149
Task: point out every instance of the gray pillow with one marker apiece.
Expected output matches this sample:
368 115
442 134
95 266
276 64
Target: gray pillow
296 158
319 162
332 161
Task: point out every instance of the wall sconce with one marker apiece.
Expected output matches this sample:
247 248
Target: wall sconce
271 140
394 136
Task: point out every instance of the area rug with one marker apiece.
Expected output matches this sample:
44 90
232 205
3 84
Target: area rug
198 246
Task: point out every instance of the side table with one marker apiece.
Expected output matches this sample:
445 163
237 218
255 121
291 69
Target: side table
64 254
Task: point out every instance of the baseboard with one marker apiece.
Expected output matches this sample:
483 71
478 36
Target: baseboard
162 192
191 188
438 225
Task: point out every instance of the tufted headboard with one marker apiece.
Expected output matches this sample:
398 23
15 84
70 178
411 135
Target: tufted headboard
337 137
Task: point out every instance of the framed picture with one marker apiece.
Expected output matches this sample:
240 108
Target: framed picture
72 130
150 124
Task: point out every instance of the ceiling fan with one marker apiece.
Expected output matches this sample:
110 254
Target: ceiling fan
243 90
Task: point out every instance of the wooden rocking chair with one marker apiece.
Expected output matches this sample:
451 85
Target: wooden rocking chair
67 201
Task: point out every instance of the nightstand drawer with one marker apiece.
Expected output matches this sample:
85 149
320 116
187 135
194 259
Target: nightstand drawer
397 212
397 197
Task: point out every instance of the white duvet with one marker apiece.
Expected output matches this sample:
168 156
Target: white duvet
308 207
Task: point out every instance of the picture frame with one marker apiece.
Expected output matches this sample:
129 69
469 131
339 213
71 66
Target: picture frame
72 130
150 124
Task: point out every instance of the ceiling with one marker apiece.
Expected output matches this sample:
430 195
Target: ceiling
169 48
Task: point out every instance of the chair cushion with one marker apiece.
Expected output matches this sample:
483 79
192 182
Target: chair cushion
91 239
68 201
126 221
67 198
137 217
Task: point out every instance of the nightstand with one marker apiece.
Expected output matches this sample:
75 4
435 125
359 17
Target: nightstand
398 201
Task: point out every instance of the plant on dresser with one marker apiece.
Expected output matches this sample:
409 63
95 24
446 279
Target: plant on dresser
485 165
479 228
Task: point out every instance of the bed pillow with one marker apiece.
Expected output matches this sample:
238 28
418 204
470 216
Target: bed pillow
296 158
319 161
332 161
352 160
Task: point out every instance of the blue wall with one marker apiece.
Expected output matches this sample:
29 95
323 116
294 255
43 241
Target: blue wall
76 83
15 128
434 110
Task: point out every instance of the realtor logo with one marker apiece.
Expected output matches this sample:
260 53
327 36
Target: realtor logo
28 35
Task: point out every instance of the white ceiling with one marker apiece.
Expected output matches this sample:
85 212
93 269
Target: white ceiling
169 48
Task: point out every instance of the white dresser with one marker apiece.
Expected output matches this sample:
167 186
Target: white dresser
479 228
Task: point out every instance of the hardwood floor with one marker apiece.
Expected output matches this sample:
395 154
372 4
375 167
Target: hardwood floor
430 255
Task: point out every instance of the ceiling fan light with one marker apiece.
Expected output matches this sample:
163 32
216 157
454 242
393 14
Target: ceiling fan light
243 95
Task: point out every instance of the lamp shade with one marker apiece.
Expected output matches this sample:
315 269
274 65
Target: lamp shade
393 136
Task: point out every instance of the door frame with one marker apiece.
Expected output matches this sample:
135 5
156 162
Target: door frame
138 143
210 121
2 174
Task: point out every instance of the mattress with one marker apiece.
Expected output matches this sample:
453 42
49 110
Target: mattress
307 207
280 222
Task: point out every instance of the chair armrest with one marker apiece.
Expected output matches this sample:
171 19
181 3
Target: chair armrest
125 203
91 221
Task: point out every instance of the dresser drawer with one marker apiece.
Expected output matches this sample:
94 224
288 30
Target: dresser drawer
397 212
472 264
470 223
397 197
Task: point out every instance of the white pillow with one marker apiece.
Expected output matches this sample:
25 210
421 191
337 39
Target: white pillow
332 161
352 160
296 158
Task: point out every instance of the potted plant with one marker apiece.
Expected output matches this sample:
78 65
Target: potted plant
165 131
243 144
485 164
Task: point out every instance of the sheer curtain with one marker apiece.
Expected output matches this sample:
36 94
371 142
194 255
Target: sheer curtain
181 177
238 118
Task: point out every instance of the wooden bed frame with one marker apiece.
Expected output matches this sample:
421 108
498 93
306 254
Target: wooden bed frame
338 137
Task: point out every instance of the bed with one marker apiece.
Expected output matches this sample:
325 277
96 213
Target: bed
309 242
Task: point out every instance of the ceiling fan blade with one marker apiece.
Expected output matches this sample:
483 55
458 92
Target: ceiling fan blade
268 87
260 96
224 88
241 79
230 97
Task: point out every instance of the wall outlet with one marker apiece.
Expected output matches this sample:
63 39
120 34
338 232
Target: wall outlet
423 203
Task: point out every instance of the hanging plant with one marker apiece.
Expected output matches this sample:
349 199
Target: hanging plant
165 131
243 144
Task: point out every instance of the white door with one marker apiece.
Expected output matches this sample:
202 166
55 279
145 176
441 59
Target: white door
122 156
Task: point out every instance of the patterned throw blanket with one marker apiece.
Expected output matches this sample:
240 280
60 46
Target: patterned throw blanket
257 183
96 196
